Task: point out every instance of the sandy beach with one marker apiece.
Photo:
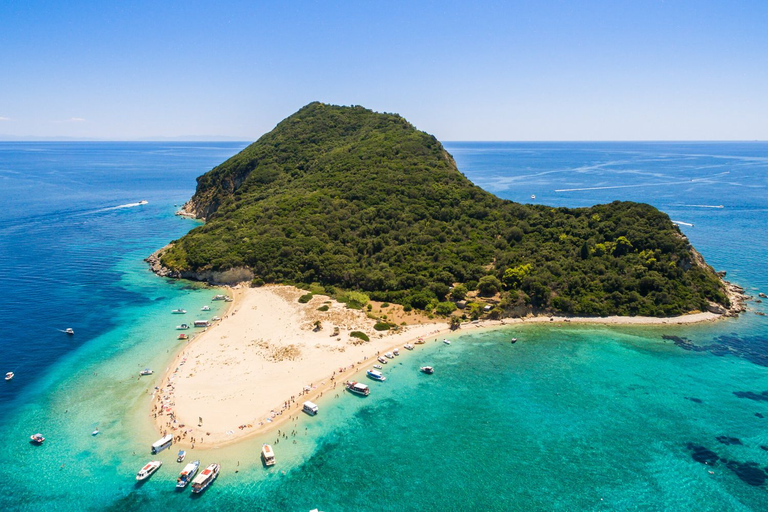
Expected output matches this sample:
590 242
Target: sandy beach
251 371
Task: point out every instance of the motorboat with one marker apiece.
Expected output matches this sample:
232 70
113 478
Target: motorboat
182 455
228 299
396 352
183 336
420 341
376 375
9 375
205 308
310 408
427 369
389 355
514 340
95 432
219 297
381 360
145 371
161 444
69 331
179 311
408 346
182 327
205 478
378 366
202 323
187 474
37 438
216 319
357 388
447 342
143 202
268 455
148 470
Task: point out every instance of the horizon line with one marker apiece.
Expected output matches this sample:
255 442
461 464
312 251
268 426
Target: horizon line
226 138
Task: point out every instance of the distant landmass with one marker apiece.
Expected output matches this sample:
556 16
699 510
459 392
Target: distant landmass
344 198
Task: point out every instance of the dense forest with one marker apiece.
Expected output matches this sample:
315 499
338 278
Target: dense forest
347 198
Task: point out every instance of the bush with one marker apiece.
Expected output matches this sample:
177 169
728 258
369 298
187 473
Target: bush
445 308
324 308
354 300
359 335
384 305
489 285
257 282
305 298
382 326
459 292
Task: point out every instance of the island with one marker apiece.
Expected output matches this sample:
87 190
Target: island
345 233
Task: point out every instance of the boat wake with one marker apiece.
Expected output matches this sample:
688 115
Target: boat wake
127 205
681 223
703 206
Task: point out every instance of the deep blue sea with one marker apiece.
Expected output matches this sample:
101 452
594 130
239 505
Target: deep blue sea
569 418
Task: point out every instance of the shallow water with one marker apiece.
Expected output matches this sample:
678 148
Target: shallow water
569 418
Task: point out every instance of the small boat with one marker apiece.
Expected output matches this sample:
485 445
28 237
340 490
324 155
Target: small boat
408 346
228 299
381 360
37 438
427 369
389 355
216 319
148 470
267 455
143 202
205 308
396 352
378 366
161 444
183 336
376 375
182 327
95 432
145 371
514 340
420 341
533 196
187 474
206 478
447 342
357 388
219 297
179 311
182 455
69 331
309 408
9 375
202 323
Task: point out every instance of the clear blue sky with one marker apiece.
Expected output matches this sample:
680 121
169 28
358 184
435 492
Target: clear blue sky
516 70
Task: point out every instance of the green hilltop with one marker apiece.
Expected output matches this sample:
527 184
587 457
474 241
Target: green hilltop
350 199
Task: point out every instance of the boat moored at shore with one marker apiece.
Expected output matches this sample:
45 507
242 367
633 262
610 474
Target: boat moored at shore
161 444
357 388
389 355
202 323
187 474
310 408
408 346
148 470
376 375
267 455
206 478
381 360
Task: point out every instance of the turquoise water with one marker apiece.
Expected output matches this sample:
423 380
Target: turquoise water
569 418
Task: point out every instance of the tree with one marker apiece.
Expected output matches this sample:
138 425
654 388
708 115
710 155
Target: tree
488 285
459 292
513 277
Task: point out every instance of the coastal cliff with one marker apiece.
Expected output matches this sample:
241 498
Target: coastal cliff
346 198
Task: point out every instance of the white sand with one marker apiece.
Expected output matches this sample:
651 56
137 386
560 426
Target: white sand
243 370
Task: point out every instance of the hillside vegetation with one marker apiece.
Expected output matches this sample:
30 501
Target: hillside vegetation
348 198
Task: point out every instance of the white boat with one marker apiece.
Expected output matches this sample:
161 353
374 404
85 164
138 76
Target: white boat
310 408
228 299
95 432
37 438
216 319
376 375
182 327
202 323
357 388
381 360
9 375
145 371
206 478
69 331
533 196
205 308
143 202
161 444
187 474
408 346
148 470
514 340
179 311
428 370
396 352
182 455
267 455
389 355
378 366
219 297
447 342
